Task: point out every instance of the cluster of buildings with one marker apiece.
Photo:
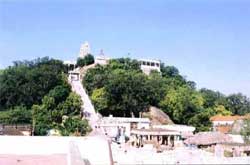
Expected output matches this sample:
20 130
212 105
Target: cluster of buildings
227 124
225 137
146 65
140 132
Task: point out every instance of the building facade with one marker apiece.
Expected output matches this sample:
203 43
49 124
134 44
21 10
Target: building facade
84 50
149 65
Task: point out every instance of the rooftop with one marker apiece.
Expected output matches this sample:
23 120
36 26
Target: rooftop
53 150
208 138
124 120
154 131
226 118
150 60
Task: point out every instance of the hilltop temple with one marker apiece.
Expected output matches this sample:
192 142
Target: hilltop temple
146 65
84 49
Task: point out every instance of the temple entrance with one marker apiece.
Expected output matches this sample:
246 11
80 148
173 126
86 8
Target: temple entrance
74 76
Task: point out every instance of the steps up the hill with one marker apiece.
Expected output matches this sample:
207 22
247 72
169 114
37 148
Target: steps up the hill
87 106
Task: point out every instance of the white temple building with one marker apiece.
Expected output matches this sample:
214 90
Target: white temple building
84 49
101 59
149 65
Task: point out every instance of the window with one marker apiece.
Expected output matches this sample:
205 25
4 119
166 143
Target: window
152 64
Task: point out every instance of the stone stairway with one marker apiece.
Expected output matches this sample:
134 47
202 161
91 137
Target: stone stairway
87 107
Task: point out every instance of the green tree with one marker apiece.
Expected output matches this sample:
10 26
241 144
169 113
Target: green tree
80 62
59 93
245 131
182 103
211 98
156 87
26 83
74 126
221 110
127 93
96 78
87 60
201 120
100 101
124 64
72 105
169 71
16 115
41 120
238 104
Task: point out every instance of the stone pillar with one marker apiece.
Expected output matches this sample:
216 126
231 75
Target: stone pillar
166 140
169 141
161 140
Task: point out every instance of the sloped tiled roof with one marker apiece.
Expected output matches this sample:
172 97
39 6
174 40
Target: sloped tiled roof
208 138
226 118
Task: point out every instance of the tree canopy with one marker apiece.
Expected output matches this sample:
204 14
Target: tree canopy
87 60
27 82
121 89
37 92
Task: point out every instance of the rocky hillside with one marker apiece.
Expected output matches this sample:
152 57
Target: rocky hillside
157 116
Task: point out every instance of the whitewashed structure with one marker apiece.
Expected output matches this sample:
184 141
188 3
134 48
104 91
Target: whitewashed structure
84 49
176 127
165 135
149 65
110 125
74 75
101 59
54 150
70 64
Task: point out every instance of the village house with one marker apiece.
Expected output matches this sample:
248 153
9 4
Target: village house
16 129
140 131
208 140
184 130
156 136
224 124
220 144
111 125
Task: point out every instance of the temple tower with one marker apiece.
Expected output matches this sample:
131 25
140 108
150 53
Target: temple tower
84 50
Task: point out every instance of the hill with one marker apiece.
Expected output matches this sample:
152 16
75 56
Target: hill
157 116
120 88
37 93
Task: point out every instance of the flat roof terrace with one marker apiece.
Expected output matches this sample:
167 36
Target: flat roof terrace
51 150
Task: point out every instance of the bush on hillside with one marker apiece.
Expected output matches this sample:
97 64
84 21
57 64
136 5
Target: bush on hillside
87 60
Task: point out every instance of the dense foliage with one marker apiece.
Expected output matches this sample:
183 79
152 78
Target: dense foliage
245 131
49 115
74 126
27 82
15 115
36 92
87 60
121 89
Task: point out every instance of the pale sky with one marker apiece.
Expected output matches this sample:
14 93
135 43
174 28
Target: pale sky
207 40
